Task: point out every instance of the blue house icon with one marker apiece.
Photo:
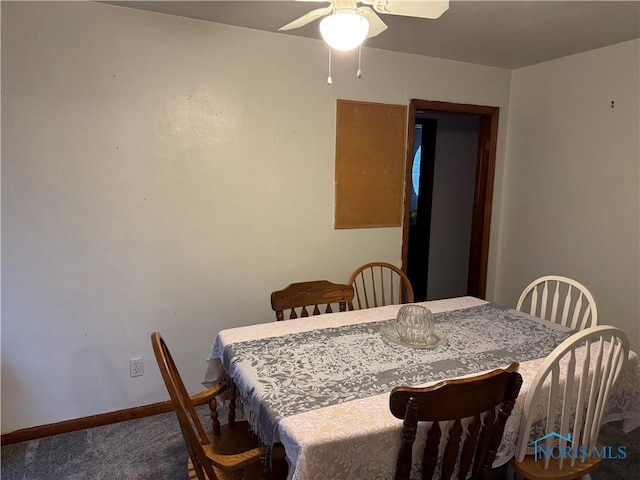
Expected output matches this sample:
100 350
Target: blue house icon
548 435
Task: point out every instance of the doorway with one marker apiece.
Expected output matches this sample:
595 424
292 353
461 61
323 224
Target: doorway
448 196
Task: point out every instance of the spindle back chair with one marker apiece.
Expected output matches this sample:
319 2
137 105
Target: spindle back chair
320 295
230 452
560 300
565 403
472 411
379 283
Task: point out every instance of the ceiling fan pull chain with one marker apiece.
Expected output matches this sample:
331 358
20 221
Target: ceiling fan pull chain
329 81
359 72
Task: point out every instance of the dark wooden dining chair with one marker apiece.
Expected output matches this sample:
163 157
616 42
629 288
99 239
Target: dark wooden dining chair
379 283
474 409
231 451
316 296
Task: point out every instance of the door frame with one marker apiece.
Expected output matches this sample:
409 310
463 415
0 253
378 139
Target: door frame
483 194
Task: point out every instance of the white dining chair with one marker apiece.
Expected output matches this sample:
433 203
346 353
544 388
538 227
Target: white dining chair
560 300
565 403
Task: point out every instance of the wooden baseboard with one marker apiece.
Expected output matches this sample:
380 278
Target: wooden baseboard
41 431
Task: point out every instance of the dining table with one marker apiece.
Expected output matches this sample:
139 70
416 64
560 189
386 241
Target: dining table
320 385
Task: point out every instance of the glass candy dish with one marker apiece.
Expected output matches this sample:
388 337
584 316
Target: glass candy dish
413 327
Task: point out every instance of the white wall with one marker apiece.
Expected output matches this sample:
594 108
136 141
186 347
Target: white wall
571 202
161 173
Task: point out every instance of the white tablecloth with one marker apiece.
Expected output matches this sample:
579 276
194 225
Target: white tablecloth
360 438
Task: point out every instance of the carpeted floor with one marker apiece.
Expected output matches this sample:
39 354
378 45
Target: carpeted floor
152 448
143 449
627 469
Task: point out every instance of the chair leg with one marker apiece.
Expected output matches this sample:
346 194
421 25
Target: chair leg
215 423
266 472
232 411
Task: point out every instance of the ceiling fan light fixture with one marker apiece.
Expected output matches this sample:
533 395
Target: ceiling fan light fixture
344 29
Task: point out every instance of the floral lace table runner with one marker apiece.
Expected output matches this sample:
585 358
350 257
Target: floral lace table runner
286 375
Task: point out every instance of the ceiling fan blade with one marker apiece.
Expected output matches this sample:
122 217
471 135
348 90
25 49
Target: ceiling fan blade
376 25
412 8
308 18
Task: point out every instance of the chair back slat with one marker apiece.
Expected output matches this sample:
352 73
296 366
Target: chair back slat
556 300
430 456
583 322
565 405
596 375
473 412
544 300
560 300
574 322
360 280
566 311
311 296
470 445
379 284
452 448
533 302
375 289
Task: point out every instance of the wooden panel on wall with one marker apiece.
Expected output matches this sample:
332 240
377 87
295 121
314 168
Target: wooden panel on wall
370 162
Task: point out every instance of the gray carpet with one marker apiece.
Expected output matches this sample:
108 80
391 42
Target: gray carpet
627 469
142 449
152 448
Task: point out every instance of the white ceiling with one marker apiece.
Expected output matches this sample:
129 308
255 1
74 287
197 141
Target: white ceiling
509 34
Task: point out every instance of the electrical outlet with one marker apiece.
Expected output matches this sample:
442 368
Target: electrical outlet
135 367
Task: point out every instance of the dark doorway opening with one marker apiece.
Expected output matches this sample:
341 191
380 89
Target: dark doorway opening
421 199
448 203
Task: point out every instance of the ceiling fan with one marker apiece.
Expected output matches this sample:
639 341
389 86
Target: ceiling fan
346 25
